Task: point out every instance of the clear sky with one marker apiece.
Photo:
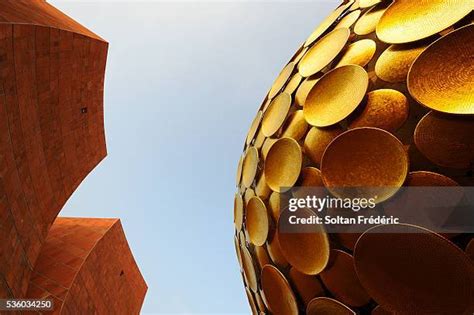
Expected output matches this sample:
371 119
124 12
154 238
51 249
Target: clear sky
184 81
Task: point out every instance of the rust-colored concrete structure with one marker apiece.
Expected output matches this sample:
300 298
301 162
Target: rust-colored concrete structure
51 136
86 265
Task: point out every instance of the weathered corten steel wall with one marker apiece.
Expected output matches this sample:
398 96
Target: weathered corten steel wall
51 126
86 266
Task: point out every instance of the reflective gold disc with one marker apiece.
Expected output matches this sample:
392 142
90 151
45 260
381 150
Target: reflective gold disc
349 19
238 211
237 249
358 53
278 293
274 251
257 221
249 268
328 21
253 305
261 189
367 23
429 179
368 3
408 21
323 52
311 177
274 205
446 140
308 287
293 83
317 140
239 170
249 193
275 114
307 251
254 127
385 109
410 270
295 126
336 95
340 278
442 77
267 144
394 63
249 167
281 80
327 306
304 89
283 164
365 158
262 256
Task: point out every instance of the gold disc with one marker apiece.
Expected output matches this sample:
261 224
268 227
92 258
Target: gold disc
349 20
307 287
238 211
411 270
429 179
249 167
249 268
442 77
341 280
283 164
336 95
307 251
293 83
358 53
366 159
368 22
385 109
275 114
253 305
327 306
323 27
281 80
254 127
408 21
318 139
445 140
394 63
262 256
239 170
257 221
277 291
296 126
304 89
323 52
267 145
274 251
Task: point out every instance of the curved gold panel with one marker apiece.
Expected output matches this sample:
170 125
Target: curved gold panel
278 293
283 164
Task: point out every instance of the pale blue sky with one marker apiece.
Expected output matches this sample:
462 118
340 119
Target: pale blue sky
184 81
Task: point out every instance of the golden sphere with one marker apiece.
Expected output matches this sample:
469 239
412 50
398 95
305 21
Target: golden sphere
381 94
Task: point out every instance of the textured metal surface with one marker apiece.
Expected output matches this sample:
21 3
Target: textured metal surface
381 96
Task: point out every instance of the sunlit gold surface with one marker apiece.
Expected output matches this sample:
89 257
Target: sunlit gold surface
358 53
414 269
327 306
304 89
249 167
308 252
276 114
365 125
407 20
442 77
385 109
340 278
323 52
257 221
365 158
281 80
318 139
296 126
327 105
368 22
278 293
446 140
283 164
394 63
